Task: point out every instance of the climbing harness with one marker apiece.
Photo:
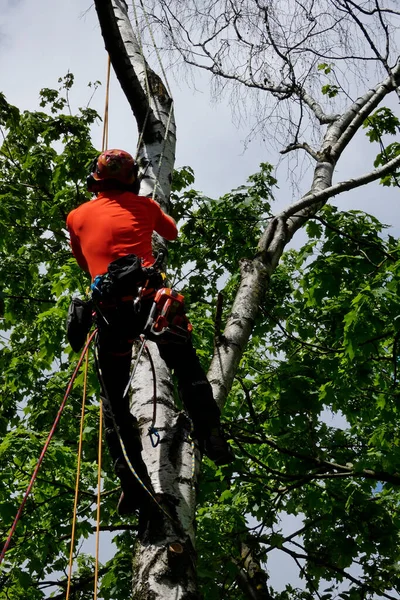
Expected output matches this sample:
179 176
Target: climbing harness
46 445
127 280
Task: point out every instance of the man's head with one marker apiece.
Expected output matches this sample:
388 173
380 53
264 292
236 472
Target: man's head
113 170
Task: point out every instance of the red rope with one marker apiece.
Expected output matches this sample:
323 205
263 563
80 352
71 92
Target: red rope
57 419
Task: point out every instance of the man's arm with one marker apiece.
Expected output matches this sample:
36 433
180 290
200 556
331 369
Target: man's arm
76 247
165 225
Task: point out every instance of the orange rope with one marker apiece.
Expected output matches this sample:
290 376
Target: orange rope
78 474
96 569
104 144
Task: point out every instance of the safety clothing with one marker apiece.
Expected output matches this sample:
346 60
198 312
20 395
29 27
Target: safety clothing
115 224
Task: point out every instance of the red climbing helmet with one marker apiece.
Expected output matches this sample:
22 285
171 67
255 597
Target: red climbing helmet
117 165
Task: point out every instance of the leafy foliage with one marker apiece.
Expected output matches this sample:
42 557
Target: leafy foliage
383 122
313 413
328 345
43 163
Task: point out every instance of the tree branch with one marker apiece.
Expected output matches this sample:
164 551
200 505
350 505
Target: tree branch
311 199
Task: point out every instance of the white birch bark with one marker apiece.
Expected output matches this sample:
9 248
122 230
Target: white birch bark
147 95
255 274
164 559
164 562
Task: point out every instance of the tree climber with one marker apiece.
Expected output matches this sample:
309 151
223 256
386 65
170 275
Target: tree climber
105 232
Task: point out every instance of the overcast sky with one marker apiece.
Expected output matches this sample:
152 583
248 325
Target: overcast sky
42 40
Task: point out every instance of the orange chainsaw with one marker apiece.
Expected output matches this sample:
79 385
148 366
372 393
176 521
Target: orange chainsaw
167 319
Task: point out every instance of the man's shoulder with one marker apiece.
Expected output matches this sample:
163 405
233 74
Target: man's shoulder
137 197
131 199
79 210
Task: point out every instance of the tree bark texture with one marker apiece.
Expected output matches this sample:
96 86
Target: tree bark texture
164 558
164 561
255 274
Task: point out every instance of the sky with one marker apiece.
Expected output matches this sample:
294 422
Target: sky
42 40
36 50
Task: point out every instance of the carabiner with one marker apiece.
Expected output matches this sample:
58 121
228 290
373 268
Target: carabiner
153 432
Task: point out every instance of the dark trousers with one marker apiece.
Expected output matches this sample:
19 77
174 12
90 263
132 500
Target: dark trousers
119 325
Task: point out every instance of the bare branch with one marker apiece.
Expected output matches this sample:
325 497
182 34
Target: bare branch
344 186
303 146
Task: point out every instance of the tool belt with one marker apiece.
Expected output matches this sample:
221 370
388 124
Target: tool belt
126 279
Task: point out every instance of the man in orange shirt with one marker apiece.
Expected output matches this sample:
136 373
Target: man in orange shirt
119 223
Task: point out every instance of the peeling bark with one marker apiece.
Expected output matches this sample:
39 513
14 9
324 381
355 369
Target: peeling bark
255 275
164 558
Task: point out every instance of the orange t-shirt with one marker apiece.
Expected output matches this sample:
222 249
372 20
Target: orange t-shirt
115 224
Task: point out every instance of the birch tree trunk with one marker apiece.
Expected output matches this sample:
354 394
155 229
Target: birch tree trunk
164 562
164 559
255 274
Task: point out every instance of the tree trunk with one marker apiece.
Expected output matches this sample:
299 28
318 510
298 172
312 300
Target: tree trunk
164 558
164 561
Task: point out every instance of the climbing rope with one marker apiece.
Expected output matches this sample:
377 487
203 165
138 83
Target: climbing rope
152 429
139 354
78 473
98 507
104 147
134 473
46 445
104 144
96 567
